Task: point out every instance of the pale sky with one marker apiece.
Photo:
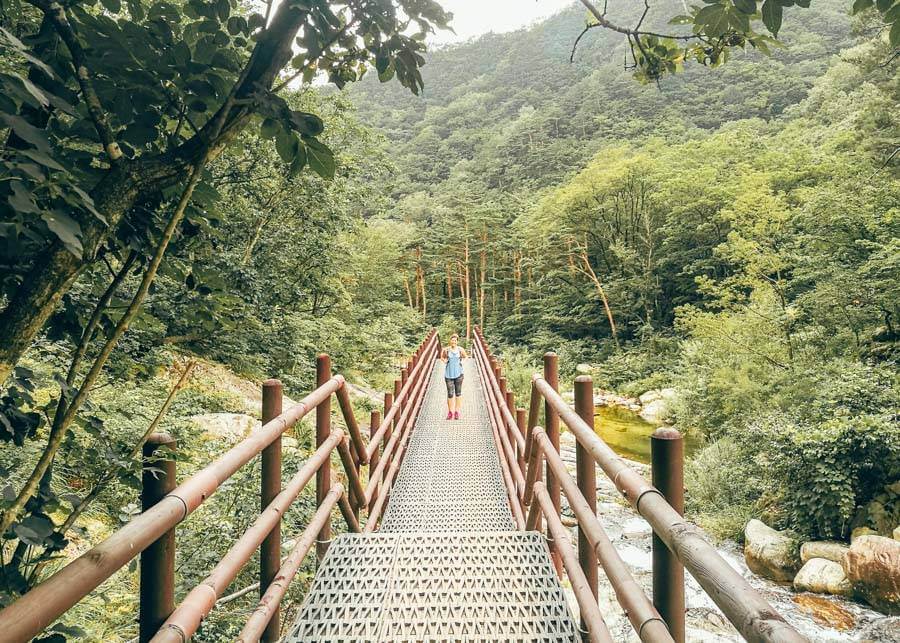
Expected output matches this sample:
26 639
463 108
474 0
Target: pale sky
475 17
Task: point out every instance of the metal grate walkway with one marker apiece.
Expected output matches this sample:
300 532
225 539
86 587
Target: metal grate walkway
447 564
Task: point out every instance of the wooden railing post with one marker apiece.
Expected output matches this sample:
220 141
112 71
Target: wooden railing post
374 423
586 476
323 430
551 426
521 419
667 462
157 576
270 549
395 400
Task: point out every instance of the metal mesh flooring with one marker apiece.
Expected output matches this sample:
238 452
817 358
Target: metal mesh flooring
450 479
447 564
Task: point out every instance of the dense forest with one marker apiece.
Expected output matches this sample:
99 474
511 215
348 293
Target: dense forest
189 208
731 233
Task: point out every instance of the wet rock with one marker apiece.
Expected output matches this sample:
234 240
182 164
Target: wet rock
827 549
885 630
825 612
872 566
822 577
769 553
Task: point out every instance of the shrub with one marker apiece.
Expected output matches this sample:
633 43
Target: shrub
823 473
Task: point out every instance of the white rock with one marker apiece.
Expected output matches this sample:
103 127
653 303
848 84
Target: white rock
827 549
635 528
822 577
228 426
769 553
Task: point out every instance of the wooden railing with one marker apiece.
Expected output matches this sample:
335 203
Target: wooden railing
536 477
166 505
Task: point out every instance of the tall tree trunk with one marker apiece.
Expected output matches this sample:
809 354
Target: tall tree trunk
589 271
449 284
517 279
468 295
409 297
481 279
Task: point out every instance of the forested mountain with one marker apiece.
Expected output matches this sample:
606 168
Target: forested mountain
511 111
180 196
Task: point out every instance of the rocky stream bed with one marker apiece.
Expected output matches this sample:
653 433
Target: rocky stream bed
822 619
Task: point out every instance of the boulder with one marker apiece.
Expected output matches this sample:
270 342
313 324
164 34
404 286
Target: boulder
827 549
897 533
872 566
862 531
230 427
822 576
649 396
657 405
770 553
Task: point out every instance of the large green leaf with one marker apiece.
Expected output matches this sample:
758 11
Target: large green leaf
771 16
320 158
713 19
66 229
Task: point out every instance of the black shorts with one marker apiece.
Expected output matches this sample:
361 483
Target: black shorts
454 386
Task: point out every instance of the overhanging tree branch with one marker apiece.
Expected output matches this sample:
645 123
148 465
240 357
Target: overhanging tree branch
57 15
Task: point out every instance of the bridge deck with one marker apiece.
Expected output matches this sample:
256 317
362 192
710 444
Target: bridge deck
447 564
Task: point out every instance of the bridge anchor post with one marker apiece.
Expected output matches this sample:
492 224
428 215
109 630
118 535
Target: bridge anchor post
667 462
157 576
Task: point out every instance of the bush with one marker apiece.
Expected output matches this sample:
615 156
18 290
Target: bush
638 368
725 488
823 473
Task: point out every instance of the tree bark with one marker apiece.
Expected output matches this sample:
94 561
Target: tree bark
468 295
589 271
124 183
65 413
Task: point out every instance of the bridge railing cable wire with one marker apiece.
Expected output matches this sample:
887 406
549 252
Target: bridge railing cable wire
160 620
532 452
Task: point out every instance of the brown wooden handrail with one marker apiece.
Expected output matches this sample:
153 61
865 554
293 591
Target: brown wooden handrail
37 609
747 610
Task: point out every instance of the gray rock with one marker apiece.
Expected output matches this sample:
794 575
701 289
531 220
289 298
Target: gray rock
885 630
230 427
827 549
822 577
769 553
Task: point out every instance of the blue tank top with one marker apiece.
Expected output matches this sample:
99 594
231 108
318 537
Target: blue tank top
454 364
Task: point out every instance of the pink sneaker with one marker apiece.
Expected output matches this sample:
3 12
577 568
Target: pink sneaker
449 415
456 415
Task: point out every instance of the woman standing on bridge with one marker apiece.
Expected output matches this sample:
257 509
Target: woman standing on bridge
453 356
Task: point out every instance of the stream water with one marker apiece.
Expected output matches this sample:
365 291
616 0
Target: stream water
629 435
823 619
